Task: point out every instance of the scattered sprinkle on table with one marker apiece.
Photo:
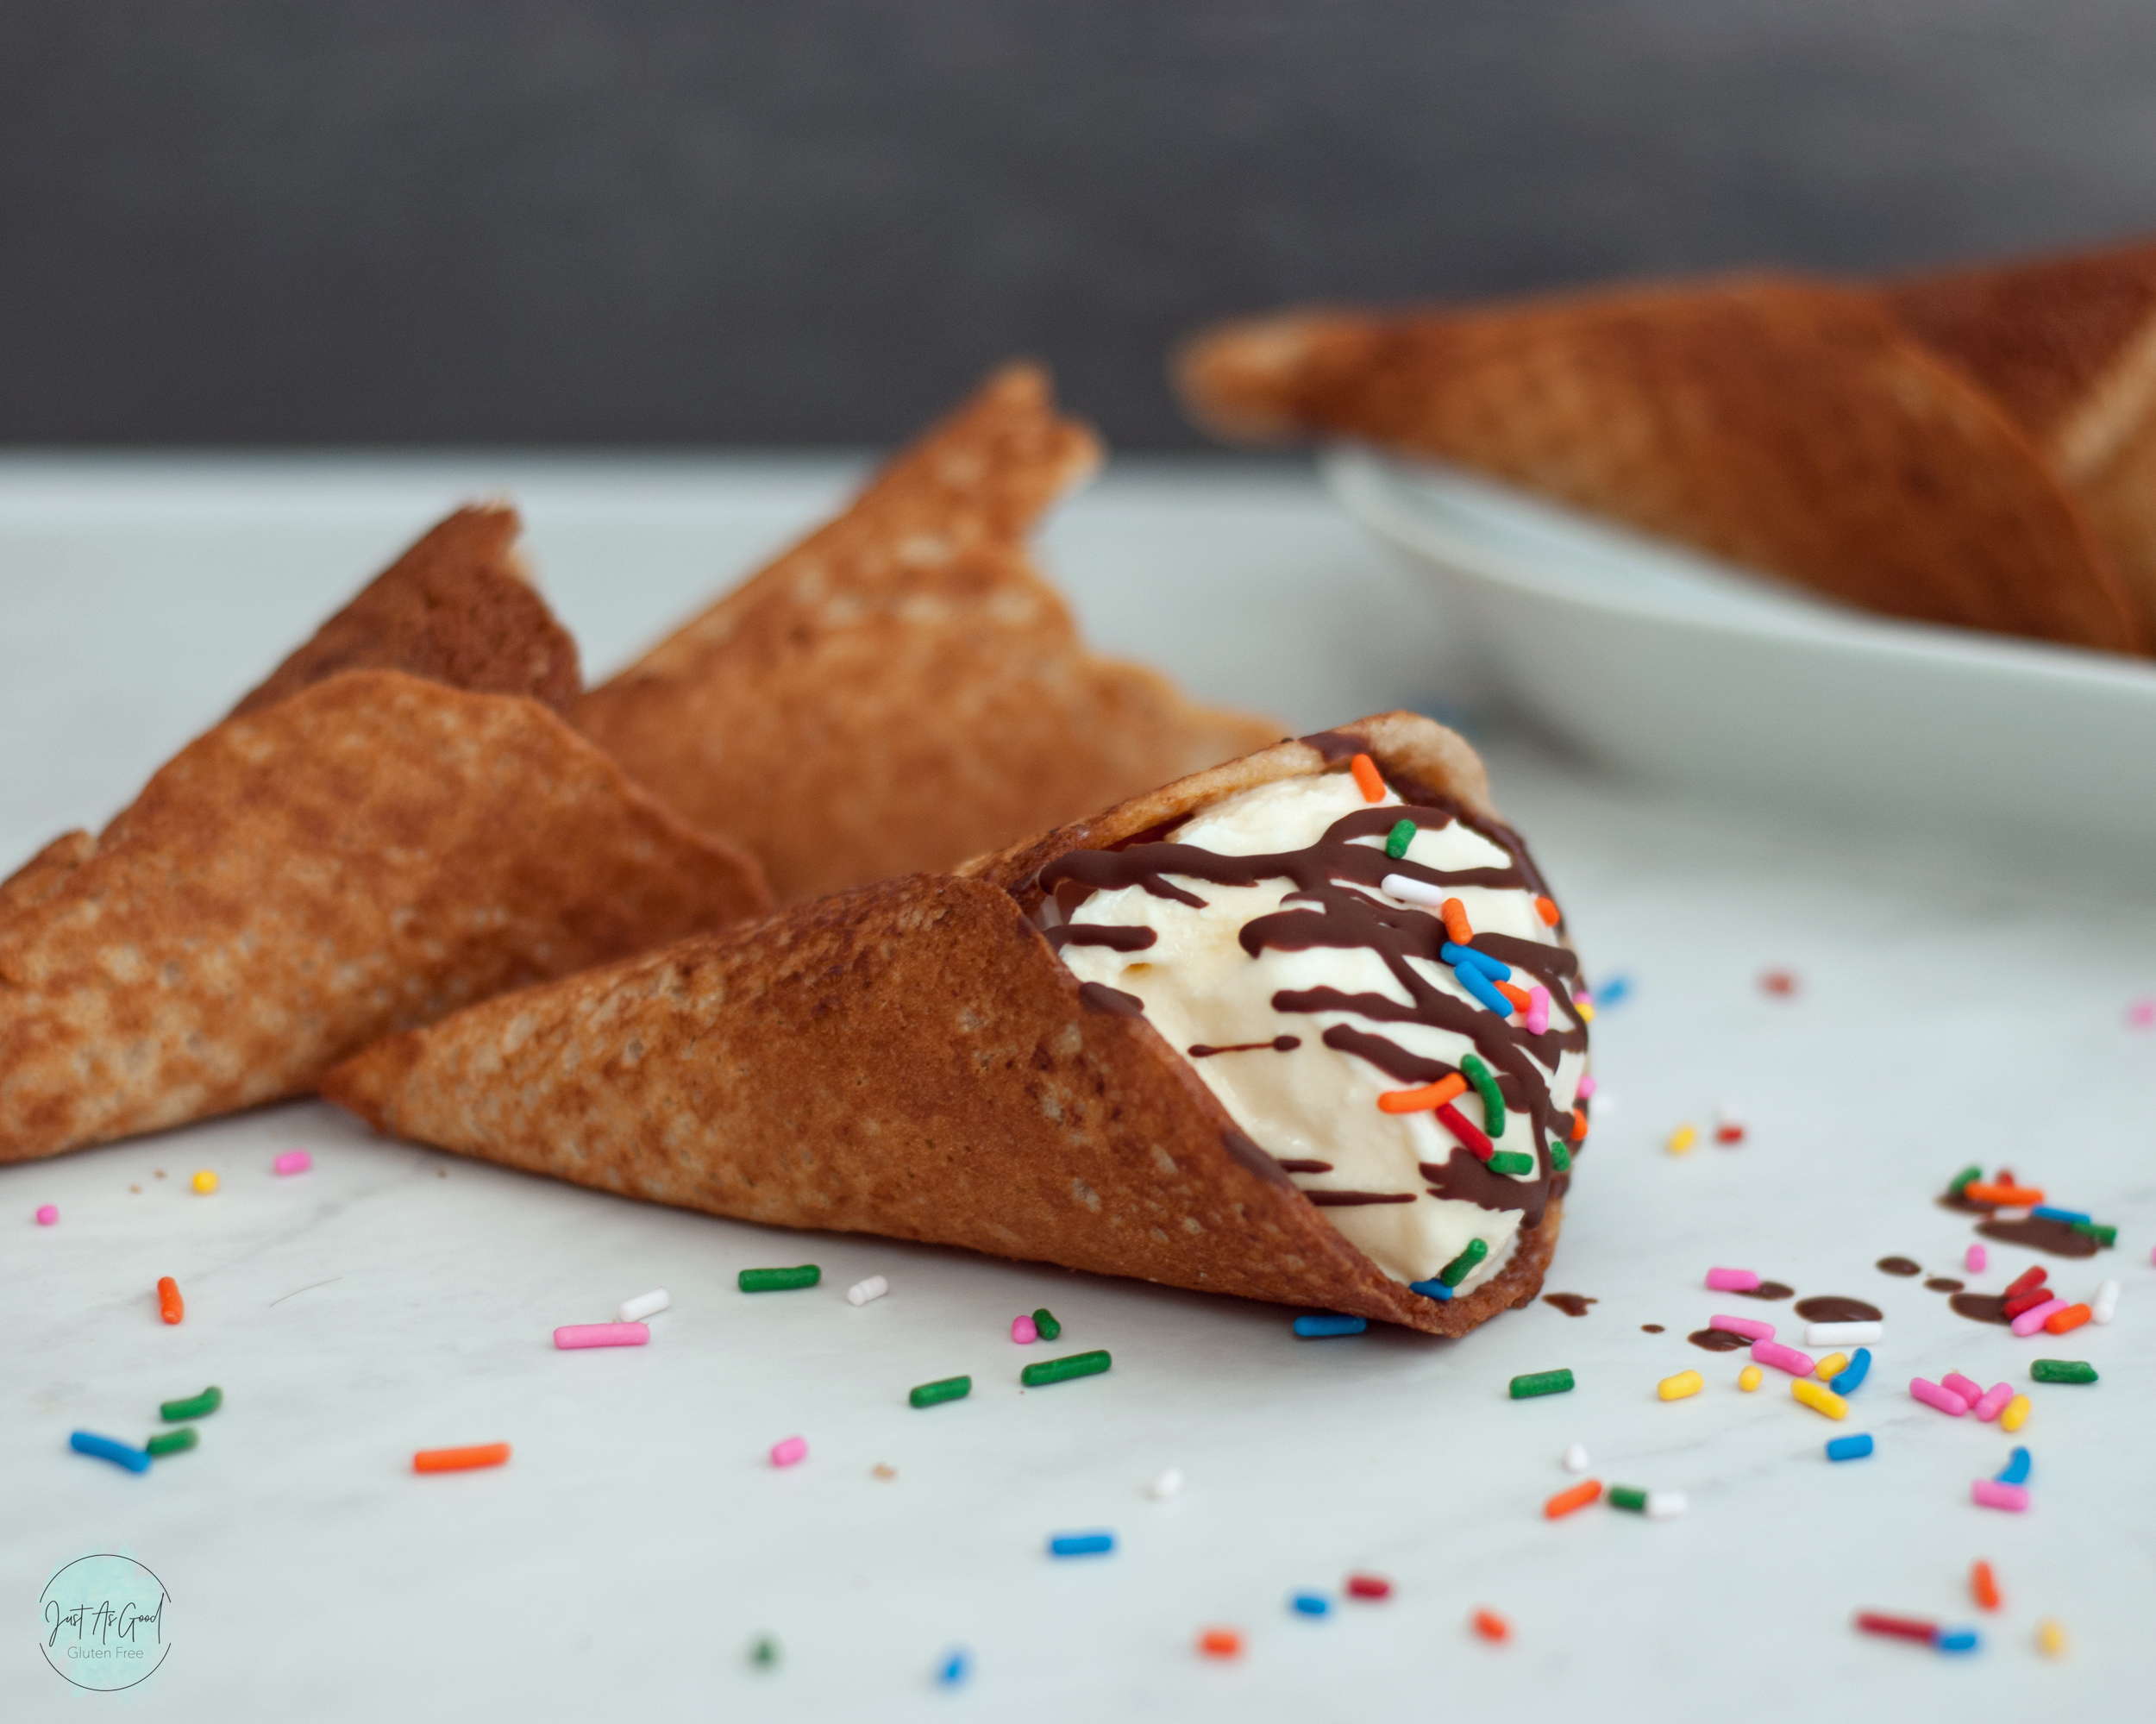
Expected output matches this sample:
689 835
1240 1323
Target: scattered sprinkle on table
2050 1638
1750 1327
1853 1448
789 1451
643 1305
205 1182
2016 1413
1575 1457
1984 1585
1684 1384
192 1406
1309 1604
1909 1628
882 1470
2059 1322
1750 1378
1682 1139
1831 1367
571 1336
48 1215
1934 1395
1490 1625
763 1651
1319 1323
1993 1402
1061 1370
957 1665
1731 1280
1219 1643
2062 1370
1080 1544
779 1280
1860 1367
170 1306
1046 1326
1166 1483
1025 1331
861 1292
1567 1501
1989 1492
1530 1385
460 1460
1779 982
942 1389
109 1449
291 1162
1842 1334
1782 1359
1368 1586
172 1442
1820 1398
1974 1259
2105 1306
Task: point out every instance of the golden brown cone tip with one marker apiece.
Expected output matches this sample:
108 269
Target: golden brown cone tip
368 854
909 1059
902 688
1786 426
457 607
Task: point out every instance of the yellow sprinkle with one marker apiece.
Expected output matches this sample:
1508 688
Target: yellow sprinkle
205 1182
1831 1367
1683 1383
2016 1413
1748 1378
1586 1009
1682 1139
2050 1638
1820 1398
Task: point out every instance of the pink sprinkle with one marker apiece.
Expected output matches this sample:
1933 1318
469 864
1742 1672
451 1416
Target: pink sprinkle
1932 1396
1993 1402
1537 1010
1733 1280
1024 1332
293 1161
1587 1085
1989 1492
1974 1259
47 1214
575 1335
2033 1318
1969 1392
1750 1327
790 1453
2142 1012
1783 1358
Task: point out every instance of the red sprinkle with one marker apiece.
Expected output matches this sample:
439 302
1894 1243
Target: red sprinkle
170 1306
1491 1627
1219 1643
1729 1134
1368 1586
1902 1627
1472 1136
1778 981
2025 1281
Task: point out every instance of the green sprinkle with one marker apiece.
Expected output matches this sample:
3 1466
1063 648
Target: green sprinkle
779 1280
2062 1370
1628 1496
172 1442
1477 1074
1560 1157
1463 1265
943 1389
1963 1180
1511 1161
1399 838
1045 1326
1062 1369
1541 1383
764 1651
194 1406
2096 1230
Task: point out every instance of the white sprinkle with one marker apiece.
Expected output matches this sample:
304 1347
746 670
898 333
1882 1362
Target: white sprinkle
2105 1306
1842 1334
1413 891
1664 1505
1170 1481
1576 1458
862 1291
2010 1213
642 1306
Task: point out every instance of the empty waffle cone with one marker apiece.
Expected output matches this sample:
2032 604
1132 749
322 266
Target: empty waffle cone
367 854
910 1059
902 689
1791 427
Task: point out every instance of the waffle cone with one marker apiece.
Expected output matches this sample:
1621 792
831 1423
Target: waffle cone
906 676
909 1058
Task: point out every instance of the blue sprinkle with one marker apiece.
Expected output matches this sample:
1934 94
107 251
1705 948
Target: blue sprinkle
1330 1323
1849 1448
1611 992
1081 1545
2017 1468
1431 1289
1859 1366
1956 1640
1457 955
956 1668
1477 984
2048 1213
105 1449
1309 1604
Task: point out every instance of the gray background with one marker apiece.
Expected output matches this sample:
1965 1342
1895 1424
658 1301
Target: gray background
665 221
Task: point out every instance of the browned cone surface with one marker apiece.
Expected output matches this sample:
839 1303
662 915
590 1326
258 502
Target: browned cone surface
1790 427
368 854
455 608
910 1058
902 689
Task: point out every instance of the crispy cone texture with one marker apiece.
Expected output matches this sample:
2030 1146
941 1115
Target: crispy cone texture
902 689
1790 427
369 854
910 1059
456 608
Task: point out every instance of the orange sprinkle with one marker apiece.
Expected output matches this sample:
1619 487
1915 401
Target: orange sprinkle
2006 1195
1221 1643
1518 996
2071 1318
1566 1501
1547 909
170 1306
1491 1627
1422 1100
460 1460
1458 928
1366 778
1579 1126
1985 1585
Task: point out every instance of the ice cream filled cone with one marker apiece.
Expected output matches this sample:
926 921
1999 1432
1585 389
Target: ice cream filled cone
1303 1027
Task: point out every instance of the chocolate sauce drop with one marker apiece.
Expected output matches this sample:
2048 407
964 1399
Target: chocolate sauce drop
1303 1166
1098 996
2041 1234
1900 1266
1943 1283
1719 1340
1253 1158
1651 1328
1353 1199
1767 1289
1832 1308
1102 934
1335 745
1571 1304
1979 1308
1279 1044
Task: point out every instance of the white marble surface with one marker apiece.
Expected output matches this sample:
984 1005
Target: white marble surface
622 1562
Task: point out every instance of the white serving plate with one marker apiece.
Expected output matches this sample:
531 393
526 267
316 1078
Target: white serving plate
1670 665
